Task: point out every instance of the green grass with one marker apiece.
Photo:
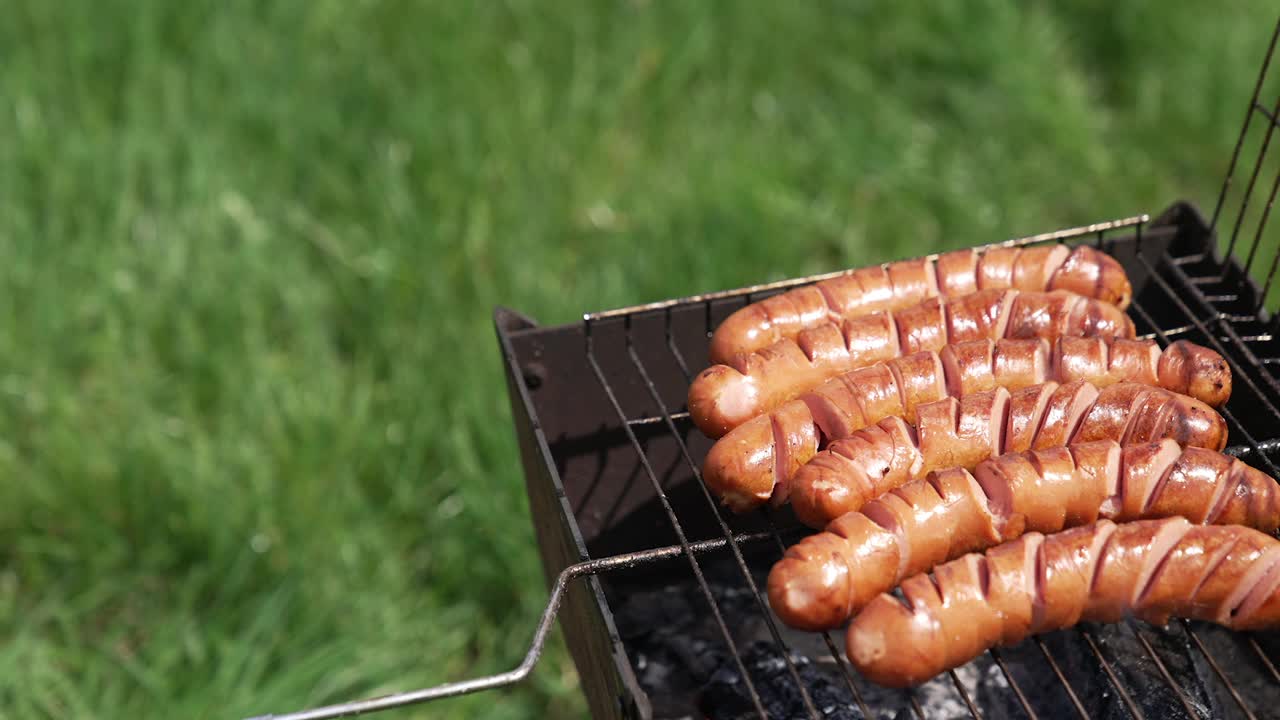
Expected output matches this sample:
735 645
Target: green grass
257 443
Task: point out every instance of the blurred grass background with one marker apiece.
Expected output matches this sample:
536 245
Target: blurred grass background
251 408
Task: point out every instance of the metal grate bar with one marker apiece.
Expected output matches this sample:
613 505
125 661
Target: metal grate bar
964 695
675 351
1271 276
655 419
1241 343
1270 116
1111 674
1164 671
675 523
998 657
1265 660
1213 664
1057 670
847 673
724 527
1265 446
1248 191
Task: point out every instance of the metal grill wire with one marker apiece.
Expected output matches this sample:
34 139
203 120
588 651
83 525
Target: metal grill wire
1238 205
1204 322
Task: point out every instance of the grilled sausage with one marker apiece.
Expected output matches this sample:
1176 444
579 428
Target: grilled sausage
827 577
1082 270
744 465
725 396
1150 569
963 433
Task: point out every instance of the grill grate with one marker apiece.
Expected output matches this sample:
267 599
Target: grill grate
613 469
1187 311
1227 340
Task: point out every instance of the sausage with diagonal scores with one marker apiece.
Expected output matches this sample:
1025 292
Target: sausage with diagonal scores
962 433
1082 270
724 396
1150 569
744 466
825 578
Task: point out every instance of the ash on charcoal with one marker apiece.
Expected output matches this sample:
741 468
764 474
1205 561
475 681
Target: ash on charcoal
1140 677
1249 665
726 696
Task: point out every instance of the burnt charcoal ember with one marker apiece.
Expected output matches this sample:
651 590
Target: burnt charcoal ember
989 689
726 696
683 663
1071 651
1138 674
1044 692
1150 689
672 645
983 681
1250 675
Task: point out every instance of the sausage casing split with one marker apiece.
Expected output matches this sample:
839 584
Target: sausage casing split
962 433
745 465
827 577
1082 270
726 395
1149 569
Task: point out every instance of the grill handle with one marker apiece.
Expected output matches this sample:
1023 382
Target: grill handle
464 687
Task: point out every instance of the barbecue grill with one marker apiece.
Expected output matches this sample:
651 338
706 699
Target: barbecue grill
659 589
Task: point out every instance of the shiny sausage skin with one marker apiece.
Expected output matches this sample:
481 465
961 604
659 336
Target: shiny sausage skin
1149 569
725 396
722 398
1082 270
962 433
757 460
744 467
825 578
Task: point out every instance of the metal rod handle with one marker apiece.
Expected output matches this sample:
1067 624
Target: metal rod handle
463 687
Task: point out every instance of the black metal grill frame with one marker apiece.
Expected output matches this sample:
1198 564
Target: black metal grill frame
1188 286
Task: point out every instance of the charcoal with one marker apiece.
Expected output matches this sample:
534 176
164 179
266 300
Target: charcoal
1137 672
1093 688
684 665
1251 676
1150 689
726 696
